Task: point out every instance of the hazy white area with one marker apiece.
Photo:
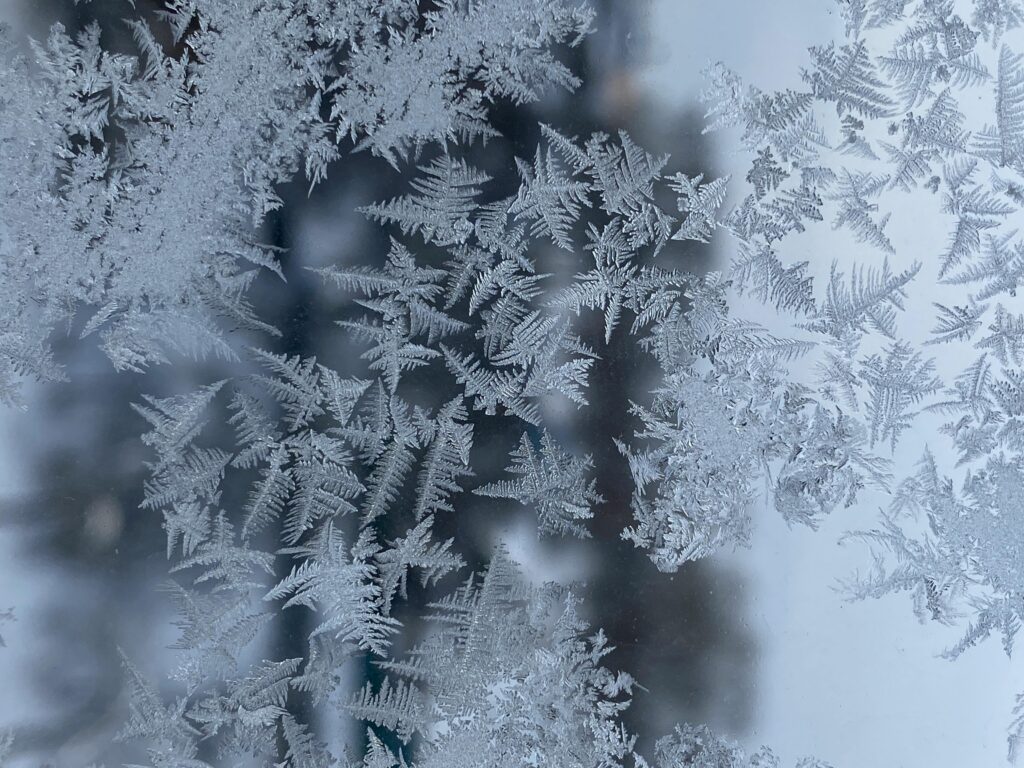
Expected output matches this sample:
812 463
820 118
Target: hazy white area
856 684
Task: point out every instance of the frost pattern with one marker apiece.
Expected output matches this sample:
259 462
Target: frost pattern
133 189
888 123
133 184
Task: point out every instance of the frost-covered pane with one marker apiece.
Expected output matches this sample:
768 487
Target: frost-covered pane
474 405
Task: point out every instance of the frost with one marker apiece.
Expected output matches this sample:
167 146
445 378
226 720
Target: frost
554 481
700 747
134 189
134 183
